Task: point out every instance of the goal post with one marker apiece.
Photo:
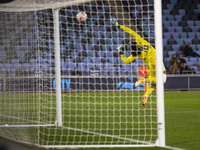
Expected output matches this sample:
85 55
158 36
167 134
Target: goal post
159 73
63 83
57 67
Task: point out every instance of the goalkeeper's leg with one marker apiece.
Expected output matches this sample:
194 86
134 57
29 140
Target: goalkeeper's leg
150 88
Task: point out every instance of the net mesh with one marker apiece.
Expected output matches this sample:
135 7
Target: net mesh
100 105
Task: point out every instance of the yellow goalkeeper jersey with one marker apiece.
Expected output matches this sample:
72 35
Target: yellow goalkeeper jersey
147 55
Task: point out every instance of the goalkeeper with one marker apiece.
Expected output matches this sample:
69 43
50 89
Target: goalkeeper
141 49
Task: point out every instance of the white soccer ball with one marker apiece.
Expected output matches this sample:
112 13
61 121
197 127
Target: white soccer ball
81 16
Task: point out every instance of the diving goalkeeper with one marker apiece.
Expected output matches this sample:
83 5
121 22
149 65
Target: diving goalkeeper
141 49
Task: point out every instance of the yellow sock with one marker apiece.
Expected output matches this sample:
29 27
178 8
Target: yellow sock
150 89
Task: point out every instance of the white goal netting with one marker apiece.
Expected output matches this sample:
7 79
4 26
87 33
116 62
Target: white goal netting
99 103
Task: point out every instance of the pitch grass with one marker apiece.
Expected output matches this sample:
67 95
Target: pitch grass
182 121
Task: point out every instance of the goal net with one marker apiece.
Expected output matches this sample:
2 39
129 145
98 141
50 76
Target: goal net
63 82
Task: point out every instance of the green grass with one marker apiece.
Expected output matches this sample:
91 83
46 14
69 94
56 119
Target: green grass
117 111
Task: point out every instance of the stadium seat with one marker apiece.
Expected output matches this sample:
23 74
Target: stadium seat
198 35
87 60
195 41
171 29
174 23
178 17
175 35
190 23
181 11
175 47
89 47
171 41
195 28
179 29
198 46
170 53
96 60
101 54
91 54
99 66
187 29
82 65
166 11
187 40
91 65
167 35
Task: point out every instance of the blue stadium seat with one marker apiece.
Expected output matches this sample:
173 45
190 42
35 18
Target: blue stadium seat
170 53
178 17
187 40
195 28
190 63
105 47
75 54
166 11
174 23
88 47
179 29
109 54
171 29
96 60
69 60
91 65
93 41
92 54
87 60
197 22
108 41
122 34
99 66
195 41
198 46
183 35
175 35
198 35
167 35
191 35
101 54
82 65
114 48
96 34
72 65
112 60
181 11
190 23
166 23
176 47
194 47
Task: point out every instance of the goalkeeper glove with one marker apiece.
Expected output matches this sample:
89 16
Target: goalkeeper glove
121 49
113 21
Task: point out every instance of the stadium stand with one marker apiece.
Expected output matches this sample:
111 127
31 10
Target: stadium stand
97 49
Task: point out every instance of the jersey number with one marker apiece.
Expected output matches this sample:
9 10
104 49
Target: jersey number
145 48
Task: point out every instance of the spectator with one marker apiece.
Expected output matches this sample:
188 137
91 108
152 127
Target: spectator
76 72
182 59
171 62
177 67
187 51
184 68
191 70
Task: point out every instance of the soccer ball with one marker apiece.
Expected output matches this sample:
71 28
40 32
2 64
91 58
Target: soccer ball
81 16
